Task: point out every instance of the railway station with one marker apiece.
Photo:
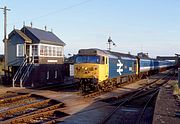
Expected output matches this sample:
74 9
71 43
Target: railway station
42 83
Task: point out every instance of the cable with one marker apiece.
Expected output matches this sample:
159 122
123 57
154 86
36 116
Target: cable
57 11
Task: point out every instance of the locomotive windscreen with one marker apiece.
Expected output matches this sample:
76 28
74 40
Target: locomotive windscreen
88 59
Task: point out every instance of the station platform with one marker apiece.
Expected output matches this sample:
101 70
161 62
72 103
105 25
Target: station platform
167 110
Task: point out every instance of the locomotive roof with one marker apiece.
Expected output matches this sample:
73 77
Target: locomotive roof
147 58
96 51
121 54
91 51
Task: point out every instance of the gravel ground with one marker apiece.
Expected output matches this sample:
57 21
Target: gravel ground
75 102
4 89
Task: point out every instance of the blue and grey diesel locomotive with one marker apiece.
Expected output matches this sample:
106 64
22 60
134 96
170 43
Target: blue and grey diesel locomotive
101 69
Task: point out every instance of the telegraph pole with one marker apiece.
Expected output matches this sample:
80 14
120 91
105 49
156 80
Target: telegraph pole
5 20
5 33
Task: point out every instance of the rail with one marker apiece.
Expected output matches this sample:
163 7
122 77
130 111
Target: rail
146 105
136 95
149 89
30 108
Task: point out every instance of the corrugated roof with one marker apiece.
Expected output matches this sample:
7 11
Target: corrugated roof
44 36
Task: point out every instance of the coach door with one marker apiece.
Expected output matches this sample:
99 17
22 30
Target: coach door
137 66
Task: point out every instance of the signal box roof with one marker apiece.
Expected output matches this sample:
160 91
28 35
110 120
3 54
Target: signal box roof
42 36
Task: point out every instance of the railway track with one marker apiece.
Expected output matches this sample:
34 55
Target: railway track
29 108
132 106
8 95
132 109
100 92
137 108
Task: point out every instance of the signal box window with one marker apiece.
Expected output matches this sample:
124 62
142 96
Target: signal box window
34 50
45 50
50 51
20 50
59 52
42 50
54 51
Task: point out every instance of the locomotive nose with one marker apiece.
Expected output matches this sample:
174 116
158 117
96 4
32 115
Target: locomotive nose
86 71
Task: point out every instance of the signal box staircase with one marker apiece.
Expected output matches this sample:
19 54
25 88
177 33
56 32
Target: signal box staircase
23 73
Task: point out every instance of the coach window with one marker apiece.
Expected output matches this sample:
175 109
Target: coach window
106 60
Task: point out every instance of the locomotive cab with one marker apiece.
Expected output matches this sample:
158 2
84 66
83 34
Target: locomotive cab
90 69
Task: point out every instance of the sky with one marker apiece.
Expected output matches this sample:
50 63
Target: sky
151 26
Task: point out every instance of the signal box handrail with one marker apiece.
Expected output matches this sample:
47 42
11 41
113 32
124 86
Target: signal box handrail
19 71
